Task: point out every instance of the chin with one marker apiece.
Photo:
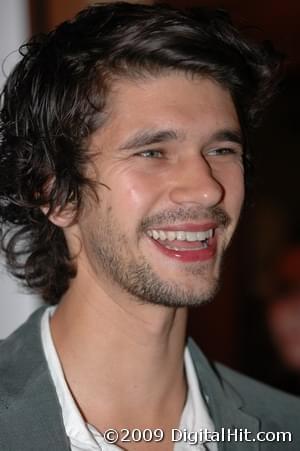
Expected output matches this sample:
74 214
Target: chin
179 296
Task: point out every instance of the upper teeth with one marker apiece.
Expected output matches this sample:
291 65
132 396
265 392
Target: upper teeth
180 235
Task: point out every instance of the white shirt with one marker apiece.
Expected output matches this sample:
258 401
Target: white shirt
84 437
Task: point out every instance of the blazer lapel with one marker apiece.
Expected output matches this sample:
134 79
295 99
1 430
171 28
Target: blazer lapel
225 407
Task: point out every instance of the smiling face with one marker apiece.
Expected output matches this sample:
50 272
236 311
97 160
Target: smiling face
170 161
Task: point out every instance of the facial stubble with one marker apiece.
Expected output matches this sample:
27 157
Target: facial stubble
110 250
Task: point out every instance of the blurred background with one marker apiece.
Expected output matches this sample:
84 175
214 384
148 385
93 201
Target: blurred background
254 323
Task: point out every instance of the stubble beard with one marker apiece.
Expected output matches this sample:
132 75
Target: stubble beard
138 278
141 282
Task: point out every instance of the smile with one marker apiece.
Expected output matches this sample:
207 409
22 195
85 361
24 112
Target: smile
180 235
186 245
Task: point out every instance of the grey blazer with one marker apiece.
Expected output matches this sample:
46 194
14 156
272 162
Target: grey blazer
31 417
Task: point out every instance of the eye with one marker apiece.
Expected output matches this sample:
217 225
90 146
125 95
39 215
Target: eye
150 154
224 151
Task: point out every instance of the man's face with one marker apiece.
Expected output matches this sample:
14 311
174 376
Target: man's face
170 161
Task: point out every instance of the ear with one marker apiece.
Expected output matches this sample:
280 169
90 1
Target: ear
61 217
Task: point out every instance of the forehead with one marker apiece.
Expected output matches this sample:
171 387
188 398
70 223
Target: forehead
174 101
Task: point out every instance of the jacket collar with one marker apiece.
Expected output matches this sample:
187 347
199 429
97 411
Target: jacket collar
227 408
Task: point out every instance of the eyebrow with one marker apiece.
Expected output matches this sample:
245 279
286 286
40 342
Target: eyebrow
148 137
145 138
235 136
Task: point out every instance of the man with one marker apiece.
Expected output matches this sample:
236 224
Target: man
122 179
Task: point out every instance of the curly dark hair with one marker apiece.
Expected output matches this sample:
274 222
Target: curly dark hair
56 97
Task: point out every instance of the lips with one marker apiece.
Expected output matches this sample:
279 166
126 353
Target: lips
185 242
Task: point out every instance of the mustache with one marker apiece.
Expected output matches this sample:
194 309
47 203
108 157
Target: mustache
170 217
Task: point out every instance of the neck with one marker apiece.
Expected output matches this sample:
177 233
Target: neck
106 344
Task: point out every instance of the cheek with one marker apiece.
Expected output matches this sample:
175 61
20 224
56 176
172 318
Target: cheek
233 183
134 192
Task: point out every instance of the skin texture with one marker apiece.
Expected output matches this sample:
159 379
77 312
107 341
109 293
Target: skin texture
126 289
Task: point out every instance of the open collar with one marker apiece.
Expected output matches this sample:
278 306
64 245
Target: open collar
28 399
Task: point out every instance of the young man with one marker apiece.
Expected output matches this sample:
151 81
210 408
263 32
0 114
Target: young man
123 149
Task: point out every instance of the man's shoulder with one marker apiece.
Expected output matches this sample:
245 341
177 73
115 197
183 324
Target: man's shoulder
30 414
28 331
21 356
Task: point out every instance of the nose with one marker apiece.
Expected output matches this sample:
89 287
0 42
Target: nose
195 183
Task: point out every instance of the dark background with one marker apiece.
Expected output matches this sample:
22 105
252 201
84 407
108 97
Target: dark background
232 329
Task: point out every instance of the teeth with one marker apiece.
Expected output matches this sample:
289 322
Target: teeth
162 235
171 236
180 235
190 236
155 234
